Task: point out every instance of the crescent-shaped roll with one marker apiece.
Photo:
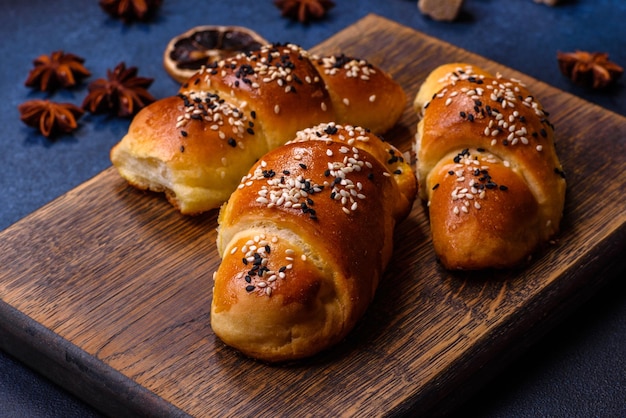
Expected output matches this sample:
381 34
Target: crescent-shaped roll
487 168
196 147
305 239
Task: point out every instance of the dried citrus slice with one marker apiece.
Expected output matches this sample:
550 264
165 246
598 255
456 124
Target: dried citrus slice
186 53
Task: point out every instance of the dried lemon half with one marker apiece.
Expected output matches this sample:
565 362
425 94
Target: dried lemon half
186 53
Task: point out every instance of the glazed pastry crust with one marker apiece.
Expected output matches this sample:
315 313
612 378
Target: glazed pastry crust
195 147
322 255
488 170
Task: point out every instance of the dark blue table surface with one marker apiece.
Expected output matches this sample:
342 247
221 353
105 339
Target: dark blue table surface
578 369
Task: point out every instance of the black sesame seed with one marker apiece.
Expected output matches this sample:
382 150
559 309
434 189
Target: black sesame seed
303 166
250 131
331 130
182 148
248 279
232 142
435 186
504 188
398 171
250 288
183 133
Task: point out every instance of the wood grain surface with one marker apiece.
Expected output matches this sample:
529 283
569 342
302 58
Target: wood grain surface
107 290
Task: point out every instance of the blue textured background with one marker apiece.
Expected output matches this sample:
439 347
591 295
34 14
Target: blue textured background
579 369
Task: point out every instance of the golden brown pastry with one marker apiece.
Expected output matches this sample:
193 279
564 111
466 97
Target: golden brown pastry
487 168
305 239
196 146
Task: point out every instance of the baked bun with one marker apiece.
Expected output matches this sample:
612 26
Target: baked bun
273 93
304 241
488 170
191 147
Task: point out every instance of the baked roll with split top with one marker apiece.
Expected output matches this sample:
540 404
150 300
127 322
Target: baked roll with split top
305 239
196 146
487 168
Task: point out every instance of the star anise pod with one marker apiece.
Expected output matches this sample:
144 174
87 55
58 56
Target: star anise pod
129 10
121 93
304 10
56 69
50 117
590 69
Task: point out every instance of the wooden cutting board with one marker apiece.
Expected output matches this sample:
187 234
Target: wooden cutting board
107 290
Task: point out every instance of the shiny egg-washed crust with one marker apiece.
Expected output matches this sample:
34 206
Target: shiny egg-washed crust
488 169
274 92
304 241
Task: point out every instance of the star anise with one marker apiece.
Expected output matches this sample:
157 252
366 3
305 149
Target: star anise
129 10
590 69
121 93
50 117
56 69
304 10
